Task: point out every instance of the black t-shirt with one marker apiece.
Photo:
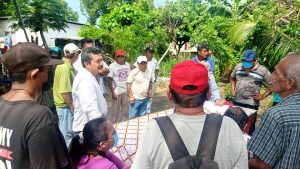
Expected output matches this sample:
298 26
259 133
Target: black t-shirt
30 137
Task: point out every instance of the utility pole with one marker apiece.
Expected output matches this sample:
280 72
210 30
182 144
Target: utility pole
20 19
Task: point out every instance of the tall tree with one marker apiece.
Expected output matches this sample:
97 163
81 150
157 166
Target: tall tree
95 8
132 27
40 15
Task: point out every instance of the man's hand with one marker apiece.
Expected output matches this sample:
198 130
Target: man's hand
219 102
232 92
258 96
149 94
114 96
131 100
72 108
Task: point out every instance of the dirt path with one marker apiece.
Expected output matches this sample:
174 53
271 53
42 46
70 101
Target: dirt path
161 102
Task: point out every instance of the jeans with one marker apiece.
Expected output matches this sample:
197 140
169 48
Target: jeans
65 117
149 104
138 108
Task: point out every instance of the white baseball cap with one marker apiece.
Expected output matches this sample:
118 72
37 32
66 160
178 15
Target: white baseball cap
71 48
141 59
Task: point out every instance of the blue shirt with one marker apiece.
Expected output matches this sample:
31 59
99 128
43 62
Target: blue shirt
215 94
276 141
210 61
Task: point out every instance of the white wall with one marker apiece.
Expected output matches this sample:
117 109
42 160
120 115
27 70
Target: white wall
19 36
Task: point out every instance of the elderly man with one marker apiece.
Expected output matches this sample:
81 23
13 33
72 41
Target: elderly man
62 90
247 79
139 87
89 102
277 138
30 137
153 66
189 94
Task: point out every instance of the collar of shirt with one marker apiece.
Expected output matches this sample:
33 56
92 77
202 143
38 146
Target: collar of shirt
293 98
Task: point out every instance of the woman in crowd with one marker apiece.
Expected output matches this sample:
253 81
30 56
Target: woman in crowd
93 152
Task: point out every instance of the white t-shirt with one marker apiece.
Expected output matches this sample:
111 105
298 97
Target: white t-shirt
140 82
119 74
153 152
88 99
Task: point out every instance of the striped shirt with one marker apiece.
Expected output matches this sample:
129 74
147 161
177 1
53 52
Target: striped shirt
249 83
277 139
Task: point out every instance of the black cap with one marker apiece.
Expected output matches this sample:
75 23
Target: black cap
149 49
26 56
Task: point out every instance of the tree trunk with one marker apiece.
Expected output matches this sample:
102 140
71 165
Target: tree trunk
44 40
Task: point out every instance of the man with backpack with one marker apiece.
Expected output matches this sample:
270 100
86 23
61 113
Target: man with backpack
173 141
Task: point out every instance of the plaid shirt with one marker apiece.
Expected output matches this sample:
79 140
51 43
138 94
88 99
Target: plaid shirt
277 139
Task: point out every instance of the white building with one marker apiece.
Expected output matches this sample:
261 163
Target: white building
18 35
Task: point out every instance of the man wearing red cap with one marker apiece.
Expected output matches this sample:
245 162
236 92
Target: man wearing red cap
189 94
118 73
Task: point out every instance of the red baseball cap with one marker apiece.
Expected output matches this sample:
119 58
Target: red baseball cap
120 52
189 73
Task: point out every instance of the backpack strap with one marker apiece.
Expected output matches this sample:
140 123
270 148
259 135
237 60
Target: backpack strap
172 138
209 137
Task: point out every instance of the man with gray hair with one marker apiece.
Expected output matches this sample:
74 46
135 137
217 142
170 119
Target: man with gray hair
276 142
89 102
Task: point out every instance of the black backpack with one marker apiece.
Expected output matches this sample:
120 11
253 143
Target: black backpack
204 158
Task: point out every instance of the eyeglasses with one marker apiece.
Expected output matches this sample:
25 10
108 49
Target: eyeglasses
120 56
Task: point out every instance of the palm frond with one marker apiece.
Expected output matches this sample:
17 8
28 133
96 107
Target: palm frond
239 32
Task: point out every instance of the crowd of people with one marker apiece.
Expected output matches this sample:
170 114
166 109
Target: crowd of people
74 131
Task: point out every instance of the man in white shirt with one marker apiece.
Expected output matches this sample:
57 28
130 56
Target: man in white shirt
87 94
118 73
139 87
88 43
153 66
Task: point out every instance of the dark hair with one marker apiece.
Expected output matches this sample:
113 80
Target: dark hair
18 77
70 55
86 55
238 115
94 132
85 41
56 50
200 47
149 49
189 101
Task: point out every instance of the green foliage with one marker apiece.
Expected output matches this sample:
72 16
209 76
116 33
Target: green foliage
131 27
40 15
166 66
97 8
271 28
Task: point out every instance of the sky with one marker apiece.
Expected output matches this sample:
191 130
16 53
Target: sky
75 5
